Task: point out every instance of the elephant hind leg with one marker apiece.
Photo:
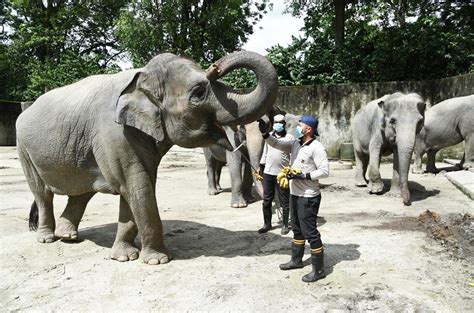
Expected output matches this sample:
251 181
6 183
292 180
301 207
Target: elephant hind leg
41 213
431 162
68 222
469 153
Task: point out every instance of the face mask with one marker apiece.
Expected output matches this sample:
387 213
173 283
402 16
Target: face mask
278 127
299 132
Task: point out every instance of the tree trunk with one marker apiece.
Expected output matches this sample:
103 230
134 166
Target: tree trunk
339 22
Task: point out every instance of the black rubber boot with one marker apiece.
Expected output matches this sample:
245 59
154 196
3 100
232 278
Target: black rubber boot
267 222
318 271
297 252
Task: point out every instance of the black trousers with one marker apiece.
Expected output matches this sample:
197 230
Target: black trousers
304 212
269 185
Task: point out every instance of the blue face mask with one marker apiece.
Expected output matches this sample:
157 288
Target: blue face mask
299 132
278 127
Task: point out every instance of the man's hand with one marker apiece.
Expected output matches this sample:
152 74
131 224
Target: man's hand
296 176
262 126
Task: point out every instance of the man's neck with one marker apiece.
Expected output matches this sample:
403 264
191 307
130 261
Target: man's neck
307 138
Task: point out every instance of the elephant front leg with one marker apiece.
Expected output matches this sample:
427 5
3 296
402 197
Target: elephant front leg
142 202
417 165
361 167
124 248
234 162
375 180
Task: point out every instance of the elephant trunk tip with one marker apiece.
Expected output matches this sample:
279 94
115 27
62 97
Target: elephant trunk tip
213 72
406 198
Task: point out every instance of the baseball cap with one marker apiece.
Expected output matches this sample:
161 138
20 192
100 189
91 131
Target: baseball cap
279 118
311 121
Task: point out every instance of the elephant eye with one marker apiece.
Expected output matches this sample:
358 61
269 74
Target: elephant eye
198 92
393 121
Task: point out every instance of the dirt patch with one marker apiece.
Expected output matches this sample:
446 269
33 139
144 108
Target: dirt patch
454 231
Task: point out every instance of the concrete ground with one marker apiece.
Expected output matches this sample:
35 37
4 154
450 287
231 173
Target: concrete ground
378 257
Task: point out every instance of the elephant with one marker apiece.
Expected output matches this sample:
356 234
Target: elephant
108 133
446 124
384 126
239 169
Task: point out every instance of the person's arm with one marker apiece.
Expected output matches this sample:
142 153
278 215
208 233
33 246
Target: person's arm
280 144
322 165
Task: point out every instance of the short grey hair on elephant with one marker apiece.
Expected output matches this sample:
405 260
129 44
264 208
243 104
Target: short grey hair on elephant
384 126
446 124
108 133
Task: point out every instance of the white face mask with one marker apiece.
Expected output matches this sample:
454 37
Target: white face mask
299 132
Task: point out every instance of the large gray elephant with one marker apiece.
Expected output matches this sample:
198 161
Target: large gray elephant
446 124
240 170
384 126
108 133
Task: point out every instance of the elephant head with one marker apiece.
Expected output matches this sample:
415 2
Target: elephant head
403 117
172 99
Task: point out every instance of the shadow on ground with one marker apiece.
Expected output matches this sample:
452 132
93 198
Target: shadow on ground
417 192
189 240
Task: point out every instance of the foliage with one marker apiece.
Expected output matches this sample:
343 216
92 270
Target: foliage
384 41
55 42
202 30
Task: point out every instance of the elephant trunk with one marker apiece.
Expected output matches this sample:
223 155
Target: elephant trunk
405 151
234 108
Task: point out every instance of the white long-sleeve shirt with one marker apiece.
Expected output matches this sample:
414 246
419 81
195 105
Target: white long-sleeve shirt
310 157
274 159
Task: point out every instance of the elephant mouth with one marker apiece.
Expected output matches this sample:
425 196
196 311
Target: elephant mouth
220 137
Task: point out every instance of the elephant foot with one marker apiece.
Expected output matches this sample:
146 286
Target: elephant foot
375 187
432 170
417 171
154 257
468 167
394 193
213 192
45 236
66 231
124 251
361 184
238 202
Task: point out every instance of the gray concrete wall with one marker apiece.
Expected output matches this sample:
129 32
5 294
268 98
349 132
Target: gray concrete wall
335 105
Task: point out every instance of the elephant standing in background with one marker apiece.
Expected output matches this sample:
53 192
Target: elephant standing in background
239 169
108 133
446 124
384 126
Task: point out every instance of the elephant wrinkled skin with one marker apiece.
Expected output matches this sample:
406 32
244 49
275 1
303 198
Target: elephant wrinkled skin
446 124
384 126
108 133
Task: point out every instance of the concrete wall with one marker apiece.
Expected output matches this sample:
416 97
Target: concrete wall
335 105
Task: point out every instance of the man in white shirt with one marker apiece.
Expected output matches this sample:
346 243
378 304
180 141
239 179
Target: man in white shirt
272 162
308 155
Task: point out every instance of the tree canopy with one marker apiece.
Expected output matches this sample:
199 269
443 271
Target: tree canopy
49 43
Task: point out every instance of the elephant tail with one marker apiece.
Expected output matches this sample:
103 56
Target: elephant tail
33 221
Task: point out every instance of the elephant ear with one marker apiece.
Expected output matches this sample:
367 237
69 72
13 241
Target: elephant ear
382 119
137 107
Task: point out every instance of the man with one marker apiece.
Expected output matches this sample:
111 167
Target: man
272 162
308 155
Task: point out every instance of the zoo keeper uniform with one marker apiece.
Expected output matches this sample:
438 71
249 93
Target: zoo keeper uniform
274 161
305 198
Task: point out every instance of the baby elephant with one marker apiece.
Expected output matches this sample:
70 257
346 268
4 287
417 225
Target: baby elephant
384 126
446 124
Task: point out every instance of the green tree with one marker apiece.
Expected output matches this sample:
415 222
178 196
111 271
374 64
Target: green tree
55 42
202 30
383 40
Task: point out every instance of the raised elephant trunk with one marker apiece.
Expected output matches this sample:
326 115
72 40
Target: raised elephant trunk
234 108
